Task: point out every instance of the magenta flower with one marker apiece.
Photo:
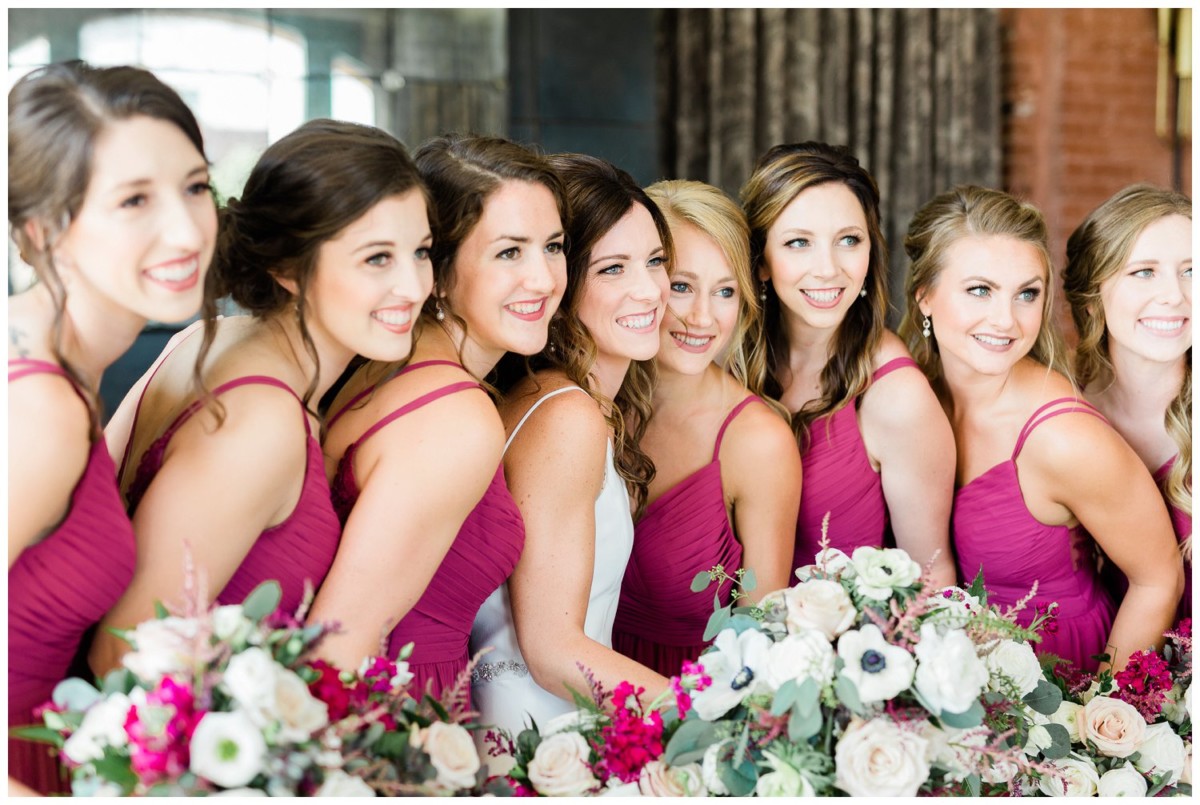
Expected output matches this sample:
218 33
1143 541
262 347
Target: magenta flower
159 731
1144 683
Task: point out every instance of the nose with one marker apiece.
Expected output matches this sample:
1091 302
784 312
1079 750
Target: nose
412 281
184 224
541 276
824 264
1170 289
699 315
650 285
1000 315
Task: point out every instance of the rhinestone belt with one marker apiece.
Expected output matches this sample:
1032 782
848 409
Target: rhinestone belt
487 671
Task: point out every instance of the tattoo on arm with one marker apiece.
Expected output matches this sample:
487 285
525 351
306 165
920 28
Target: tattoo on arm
16 337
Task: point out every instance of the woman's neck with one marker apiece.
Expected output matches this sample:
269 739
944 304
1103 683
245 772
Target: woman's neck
1139 388
444 341
93 336
676 391
609 373
332 357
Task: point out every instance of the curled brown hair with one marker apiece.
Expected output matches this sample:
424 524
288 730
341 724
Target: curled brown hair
1096 251
600 194
305 189
782 174
55 115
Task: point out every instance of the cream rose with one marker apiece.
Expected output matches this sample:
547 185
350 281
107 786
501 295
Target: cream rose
803 655
339 784
660 780
1076 778
878 759
881 571
1015 664
1067 715
1162 751
949 675
452 753
560 766
819 604
161 646
1124 781
300 714
1114 726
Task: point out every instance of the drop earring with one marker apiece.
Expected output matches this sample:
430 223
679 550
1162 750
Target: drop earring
762 293
927 327
439 314
862 294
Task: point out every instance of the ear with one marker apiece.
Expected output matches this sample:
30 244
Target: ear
287 283
36 233
764 273
922 299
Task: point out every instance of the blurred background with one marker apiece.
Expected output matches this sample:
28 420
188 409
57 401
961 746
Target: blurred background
1061 107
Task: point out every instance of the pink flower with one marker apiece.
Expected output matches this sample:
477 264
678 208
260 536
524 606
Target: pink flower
518 789
695 669
631 740
341 699
1144 683
683 702
159 731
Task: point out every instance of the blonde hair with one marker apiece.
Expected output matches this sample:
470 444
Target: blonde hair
1096 251
782 174
709 209
961 212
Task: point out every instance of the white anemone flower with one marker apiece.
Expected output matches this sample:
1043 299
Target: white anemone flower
737 668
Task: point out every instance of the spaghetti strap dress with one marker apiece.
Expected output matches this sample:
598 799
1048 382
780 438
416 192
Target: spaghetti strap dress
686 530
480 559
840 481
58 588
994 530
300 549
1181 521
505 694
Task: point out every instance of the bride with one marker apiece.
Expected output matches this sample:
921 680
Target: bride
573 464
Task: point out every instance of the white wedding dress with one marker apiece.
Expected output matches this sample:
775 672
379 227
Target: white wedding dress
502 689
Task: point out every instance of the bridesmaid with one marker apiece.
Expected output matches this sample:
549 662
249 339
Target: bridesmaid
726 489
425 439
573 461
1038 468
875 444
1129 283
328 251
109 202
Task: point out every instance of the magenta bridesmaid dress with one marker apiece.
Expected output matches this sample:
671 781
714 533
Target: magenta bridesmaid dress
839 480
480 559
1182 522
57 589
993 529
299 549
660 621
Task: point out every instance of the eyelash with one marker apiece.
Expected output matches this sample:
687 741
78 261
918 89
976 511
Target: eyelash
555 248
854 241
1031 293
195 189
379 260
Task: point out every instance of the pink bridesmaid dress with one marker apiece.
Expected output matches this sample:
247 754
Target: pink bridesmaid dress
480 559
660 621
1182 522
993 529
299 549
839 480
57 589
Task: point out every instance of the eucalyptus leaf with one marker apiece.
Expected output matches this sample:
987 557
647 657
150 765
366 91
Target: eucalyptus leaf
42 735
742 623
693 736
749 580
802 726
1060 742
784 697
116 770
740 779
701 581
847 693
808 697
716 623
74 694
1045 698
391 745
973 785
262 600
972 717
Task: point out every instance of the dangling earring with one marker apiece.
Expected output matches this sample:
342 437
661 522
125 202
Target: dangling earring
762 294
862 294
927 327
439 314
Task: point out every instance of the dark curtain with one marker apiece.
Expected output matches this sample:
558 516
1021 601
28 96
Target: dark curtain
915 93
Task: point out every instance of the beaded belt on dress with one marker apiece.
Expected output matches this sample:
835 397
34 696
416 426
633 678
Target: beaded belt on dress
487 671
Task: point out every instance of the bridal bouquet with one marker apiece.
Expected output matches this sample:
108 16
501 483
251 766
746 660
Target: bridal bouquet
226 700
1123 734
863 680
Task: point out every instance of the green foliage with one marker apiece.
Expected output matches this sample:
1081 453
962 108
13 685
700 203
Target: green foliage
262 600
847 693
972 717
977 589
1061 742
701 581
1045 698
690 742
42 735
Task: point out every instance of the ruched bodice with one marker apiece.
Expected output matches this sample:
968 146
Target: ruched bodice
660 621
57 589
480 559
299 549
993 529
1181 521
840 481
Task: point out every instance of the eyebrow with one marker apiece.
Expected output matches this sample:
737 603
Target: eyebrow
990 284
375 244
693 275
135 183
517 238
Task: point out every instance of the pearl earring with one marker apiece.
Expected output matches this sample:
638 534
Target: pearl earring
440 314
927 327
862 293
762 294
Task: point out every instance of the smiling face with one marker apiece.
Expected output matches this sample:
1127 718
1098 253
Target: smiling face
144 235
702 308
1148 302
510 273
986 304
371 280
624 292
817 254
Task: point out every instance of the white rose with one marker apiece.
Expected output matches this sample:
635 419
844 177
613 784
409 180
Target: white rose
830 562
227 749
819 604
1013 664
339 784
949 676
1161 750
878 759
657 779
231 624
803 655
452 753
1039 740
708 769
878 669
161 646
1078 778
880 571
736 668
560 766
103 725
1125 781
1067 715
250 679
300 714
1114 726
783 780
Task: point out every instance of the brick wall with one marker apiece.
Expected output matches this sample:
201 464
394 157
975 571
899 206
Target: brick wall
1079 91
